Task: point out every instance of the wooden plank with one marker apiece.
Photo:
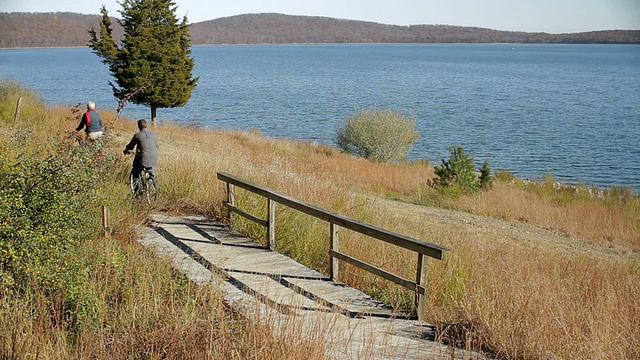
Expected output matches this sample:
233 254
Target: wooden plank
379 272
342 298
420 246
246 215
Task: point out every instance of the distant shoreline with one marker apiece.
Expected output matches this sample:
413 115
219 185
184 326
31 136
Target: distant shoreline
18 30
294 44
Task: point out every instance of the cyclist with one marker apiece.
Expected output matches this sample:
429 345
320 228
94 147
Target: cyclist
146 157
91 122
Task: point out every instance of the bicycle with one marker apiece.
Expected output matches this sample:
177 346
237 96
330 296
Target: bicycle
145 185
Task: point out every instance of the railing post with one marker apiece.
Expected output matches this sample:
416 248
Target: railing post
231 200
271 227
421 279
17 117
334 264
106 219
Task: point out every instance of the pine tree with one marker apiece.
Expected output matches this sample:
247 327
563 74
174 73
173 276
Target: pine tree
485 178
460 171
152 66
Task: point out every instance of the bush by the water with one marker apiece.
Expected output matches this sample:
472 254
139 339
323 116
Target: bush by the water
379 135
458 173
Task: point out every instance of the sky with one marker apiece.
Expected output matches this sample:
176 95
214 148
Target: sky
550 16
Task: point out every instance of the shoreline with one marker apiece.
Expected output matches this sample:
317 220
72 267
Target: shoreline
349 43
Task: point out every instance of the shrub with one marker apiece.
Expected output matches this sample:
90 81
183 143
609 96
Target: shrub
43 204
379 135
459 173
504 176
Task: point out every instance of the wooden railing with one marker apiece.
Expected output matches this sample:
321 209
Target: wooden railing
336 221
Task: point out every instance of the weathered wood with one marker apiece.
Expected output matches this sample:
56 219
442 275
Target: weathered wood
18 105
255 219
378 271
336 221
420 246
271 224
106 220
421 279
264 285
334 245
231 200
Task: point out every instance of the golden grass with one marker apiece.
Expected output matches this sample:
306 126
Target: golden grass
133 304
615 225
159 314
519 297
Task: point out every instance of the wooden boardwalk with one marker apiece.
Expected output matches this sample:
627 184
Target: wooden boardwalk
264 283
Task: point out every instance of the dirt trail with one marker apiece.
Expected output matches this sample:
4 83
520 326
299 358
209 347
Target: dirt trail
499 228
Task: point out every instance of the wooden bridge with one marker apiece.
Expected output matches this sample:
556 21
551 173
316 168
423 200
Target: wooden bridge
258 281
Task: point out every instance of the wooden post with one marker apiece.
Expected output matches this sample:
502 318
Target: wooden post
271 227
334 245
106 219
17 117
231 200
153 116
421 279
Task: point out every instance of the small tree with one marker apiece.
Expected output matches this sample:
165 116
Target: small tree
379 135
486 180
154 55
459 171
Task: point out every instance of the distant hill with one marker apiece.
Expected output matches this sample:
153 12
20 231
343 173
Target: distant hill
70 29
46 29
278 29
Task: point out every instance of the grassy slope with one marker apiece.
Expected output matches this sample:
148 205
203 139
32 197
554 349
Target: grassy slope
522 297
129 303
510 292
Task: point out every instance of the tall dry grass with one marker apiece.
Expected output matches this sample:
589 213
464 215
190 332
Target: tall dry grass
603 220
130 303
141 308
518 299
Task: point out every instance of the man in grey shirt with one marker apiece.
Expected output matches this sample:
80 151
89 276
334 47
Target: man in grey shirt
146 157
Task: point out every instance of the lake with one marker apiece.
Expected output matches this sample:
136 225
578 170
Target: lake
568 110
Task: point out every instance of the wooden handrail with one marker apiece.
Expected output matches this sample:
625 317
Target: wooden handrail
337 220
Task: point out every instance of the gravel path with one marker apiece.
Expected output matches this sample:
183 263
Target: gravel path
491 226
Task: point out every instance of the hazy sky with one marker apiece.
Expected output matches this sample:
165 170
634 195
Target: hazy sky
551 16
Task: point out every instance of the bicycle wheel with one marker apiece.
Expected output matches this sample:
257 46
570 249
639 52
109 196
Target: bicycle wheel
138 185
151 188
134 184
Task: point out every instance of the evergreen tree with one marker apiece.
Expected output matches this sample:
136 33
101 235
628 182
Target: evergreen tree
152 66
485 179
460 171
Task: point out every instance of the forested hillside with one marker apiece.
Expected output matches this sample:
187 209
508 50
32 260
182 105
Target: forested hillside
278 28
70 29
47 29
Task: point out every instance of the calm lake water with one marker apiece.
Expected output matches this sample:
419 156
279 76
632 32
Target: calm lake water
569 110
